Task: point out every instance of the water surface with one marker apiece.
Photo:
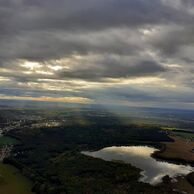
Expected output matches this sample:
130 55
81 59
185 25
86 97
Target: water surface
140 156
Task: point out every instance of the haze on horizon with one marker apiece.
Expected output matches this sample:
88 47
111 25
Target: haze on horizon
129 52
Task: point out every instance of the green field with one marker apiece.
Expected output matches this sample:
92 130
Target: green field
7 141
12 182
180 132
184 134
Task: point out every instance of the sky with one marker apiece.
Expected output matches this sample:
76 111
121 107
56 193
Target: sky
129 52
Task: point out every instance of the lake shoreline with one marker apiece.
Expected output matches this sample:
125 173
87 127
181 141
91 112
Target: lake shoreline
152 170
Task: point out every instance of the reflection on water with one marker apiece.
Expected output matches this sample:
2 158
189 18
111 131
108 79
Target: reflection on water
140 157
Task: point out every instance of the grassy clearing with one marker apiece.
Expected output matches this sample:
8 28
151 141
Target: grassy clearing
12 182
169 128
184 135
7 141
180 132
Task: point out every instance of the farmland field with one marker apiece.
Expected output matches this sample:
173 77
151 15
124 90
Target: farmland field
12 182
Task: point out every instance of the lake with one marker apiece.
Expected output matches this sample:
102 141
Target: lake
140 156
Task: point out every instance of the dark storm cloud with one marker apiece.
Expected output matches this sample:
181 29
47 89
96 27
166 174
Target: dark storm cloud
90 14
36 30
170 40
114 68
40 46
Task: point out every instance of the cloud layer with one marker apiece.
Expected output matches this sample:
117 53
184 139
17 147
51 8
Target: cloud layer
134 52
